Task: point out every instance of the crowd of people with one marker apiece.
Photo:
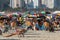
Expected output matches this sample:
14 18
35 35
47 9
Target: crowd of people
29 23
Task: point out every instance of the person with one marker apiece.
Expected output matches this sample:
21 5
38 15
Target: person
20 20
40 25
36 26
2 27
0 32
51 28
46 24
13 24
54 24
29 24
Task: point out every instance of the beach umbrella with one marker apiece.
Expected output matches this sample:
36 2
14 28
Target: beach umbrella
3 17
20 13
42 17
43 12
40 14
12 15
48 13
25 14
15 14
9 15
2 14
58 14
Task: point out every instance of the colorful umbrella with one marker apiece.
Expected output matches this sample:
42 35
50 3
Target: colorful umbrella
9 15
43 12
12 15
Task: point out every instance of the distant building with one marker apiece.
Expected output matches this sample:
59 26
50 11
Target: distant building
13 3
39 3
48 4
35 3
31 4
28 4
57 3
16 3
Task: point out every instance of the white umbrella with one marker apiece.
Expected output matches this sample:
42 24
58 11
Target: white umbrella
15 13
56 12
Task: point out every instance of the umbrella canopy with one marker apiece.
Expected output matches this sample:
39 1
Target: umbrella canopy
43 12
15 14
2 14
3 17
42 17
19 13
32 16
58 14
12 15
25 14
9 15
48 13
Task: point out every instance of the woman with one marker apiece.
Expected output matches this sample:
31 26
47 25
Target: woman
13 24
29 24
46 24
2 27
